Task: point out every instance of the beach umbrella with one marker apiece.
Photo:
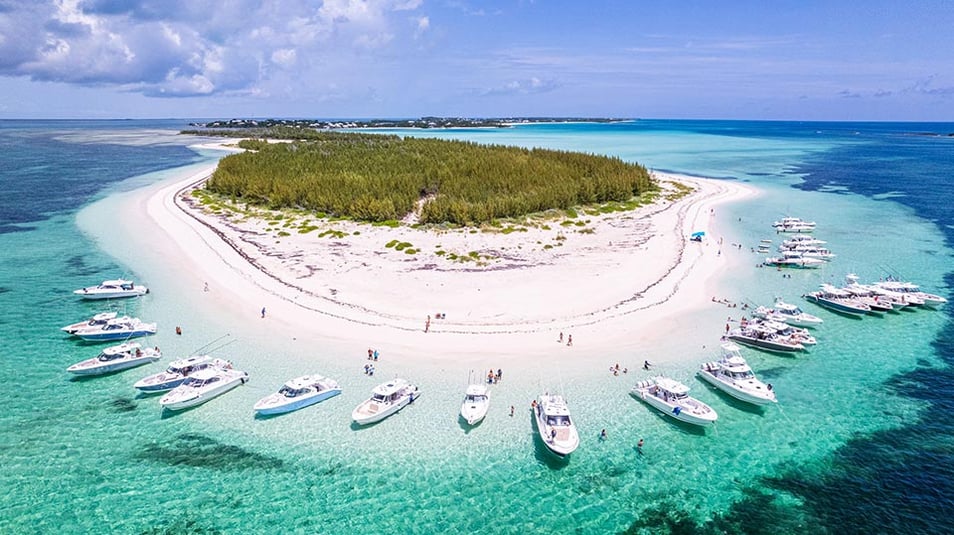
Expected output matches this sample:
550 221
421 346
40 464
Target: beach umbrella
698 234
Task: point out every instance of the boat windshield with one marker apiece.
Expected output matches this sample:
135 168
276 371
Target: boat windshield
558 420
380 398
292 392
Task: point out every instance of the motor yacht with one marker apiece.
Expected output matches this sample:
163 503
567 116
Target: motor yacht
116 329
672 399
838 300
911 290
787 313
764 337
116 358
386 399
96 321
554 425
201 387
297 394
177 372
732 375
790 259
112 289
475 404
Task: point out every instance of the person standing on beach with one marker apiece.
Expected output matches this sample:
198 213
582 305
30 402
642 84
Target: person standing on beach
560 340
427 324
569 339
263 312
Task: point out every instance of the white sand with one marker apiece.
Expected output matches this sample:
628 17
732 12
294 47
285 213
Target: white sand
617 285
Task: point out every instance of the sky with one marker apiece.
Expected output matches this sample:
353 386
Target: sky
871 60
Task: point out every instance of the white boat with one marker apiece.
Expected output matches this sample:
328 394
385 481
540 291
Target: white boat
838 300
475 405
117 329
877 299
809 251
789 260
177 372
297 394
202 386
912 290
732 375
116 358
672 398
386 399
787 313
794 224
97 320
789 332
764 337
801 239
556 428
112 289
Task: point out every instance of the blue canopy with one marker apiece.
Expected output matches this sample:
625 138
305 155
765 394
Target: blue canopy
698 234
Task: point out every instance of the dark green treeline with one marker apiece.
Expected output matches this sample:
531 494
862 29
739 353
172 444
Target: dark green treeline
371 177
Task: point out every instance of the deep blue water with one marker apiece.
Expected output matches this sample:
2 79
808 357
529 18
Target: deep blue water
895 481
43 174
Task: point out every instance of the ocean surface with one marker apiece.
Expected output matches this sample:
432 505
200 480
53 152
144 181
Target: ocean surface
862 439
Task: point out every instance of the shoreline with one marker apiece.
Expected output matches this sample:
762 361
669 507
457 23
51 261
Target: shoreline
616 287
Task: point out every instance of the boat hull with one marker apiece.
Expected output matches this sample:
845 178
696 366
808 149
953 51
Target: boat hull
112 367
201 397
767 345
836 306
670 410
737 393
92 295
298 403
162 386
474 413
561 447
365 414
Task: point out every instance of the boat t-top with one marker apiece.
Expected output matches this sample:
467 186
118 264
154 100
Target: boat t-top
764 337
177 372
202 386
298 393
97 320
787 313
672 399
556 428
475 404
117 329
386 399
116 358
732 375
112 289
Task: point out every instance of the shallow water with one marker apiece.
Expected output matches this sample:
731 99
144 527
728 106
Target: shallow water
861 396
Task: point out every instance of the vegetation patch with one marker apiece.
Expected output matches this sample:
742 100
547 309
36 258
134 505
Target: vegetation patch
391 243
333 233
403 245
380 178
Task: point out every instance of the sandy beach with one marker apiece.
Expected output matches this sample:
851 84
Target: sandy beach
609 280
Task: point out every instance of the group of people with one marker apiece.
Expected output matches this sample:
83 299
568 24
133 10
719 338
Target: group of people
369 369
372 354
569 339
728 303
616 369
494 377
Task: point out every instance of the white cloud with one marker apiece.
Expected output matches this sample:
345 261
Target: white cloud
191 47
284 56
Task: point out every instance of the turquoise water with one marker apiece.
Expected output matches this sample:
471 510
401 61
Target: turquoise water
93 456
